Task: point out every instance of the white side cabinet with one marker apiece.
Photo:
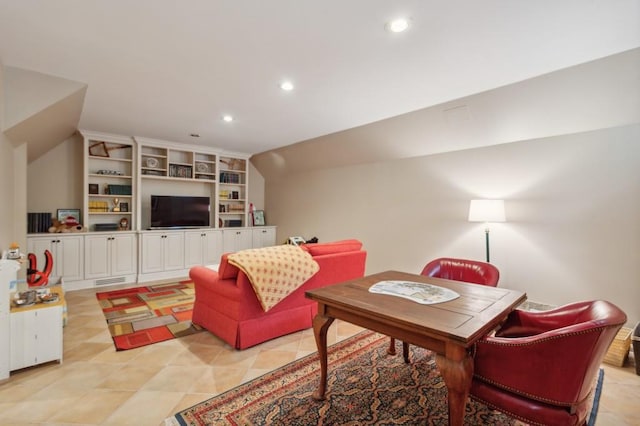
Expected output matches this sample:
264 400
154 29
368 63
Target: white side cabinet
264 236
67 252
236 239
110 255
8 273
162 251
202 247
36 335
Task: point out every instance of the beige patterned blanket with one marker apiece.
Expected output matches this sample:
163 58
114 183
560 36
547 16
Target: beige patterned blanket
275 272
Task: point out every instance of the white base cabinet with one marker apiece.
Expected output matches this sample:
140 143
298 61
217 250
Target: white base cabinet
264 236
110 255
162 251
36 336
202 247
8 272
67 251
236 239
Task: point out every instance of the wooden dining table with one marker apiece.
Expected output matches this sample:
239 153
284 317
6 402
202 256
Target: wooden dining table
450 328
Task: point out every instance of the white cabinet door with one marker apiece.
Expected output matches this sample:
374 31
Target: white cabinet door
36 336
173 251
96 251
236 240
70 250
202 247
193 248
212 247
124 254
152 253
67 252
264 237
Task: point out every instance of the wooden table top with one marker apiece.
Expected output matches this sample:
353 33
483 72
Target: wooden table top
463 320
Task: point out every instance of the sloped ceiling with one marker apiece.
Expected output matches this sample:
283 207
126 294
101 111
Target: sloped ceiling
599 94
164 69
40 110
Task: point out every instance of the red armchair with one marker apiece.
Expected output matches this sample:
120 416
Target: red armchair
540 367
469 271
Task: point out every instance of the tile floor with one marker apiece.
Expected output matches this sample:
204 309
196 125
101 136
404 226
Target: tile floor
95 385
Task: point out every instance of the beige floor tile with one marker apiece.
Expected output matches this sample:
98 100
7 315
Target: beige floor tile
145 408
130 377
177 378
273 359
93 407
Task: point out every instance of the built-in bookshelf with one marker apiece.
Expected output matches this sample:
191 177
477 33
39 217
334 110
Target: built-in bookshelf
109 169
232 192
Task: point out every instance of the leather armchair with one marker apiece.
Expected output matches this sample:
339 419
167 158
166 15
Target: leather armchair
540 367
469 271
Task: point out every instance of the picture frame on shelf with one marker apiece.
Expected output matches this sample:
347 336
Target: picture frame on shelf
64 215
258 218
94 188
124 207
99 149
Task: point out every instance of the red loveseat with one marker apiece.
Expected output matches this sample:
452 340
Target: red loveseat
228 307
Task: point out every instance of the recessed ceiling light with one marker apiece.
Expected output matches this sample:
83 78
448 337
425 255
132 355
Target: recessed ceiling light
287 86
397 25
227 118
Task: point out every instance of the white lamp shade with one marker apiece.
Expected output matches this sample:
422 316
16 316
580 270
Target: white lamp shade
487 211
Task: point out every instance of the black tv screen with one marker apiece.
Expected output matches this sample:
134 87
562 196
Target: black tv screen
173 211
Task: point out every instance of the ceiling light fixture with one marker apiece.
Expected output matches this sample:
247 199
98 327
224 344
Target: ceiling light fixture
397 25
227 118
287 86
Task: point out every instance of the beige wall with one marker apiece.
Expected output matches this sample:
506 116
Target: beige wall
572 202
7 234
13 160
55 179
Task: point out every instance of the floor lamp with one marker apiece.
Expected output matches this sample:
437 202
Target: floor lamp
487 211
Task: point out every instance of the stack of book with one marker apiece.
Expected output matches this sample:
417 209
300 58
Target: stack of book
38 222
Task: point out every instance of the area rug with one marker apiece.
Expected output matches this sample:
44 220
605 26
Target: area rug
365 386
144 315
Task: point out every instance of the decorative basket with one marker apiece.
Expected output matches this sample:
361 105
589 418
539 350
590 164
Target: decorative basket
619 349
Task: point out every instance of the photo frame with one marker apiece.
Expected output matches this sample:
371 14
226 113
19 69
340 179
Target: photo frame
124 207
99 149
65 214
94 188
258 218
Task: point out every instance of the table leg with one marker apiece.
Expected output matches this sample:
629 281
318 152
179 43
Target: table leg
456 369
392 346
321 325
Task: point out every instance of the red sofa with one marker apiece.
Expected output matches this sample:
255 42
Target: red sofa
227 306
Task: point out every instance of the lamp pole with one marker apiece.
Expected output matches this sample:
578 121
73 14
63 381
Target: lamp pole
486 240
487 211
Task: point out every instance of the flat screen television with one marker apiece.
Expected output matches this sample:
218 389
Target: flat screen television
179 211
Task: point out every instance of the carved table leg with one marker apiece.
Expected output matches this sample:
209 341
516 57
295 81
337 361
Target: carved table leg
456 369
405 352
392 346
321 325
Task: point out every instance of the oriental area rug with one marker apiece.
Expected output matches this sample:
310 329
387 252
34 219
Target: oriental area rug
365 386
144 315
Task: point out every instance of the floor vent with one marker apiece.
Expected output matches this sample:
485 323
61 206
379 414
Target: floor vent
108 281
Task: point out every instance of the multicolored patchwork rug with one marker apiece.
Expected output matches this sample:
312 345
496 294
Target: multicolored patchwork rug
365 386
144 315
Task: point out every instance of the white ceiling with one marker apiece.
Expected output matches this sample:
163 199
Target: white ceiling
166 68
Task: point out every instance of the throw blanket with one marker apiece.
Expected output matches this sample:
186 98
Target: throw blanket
275 272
